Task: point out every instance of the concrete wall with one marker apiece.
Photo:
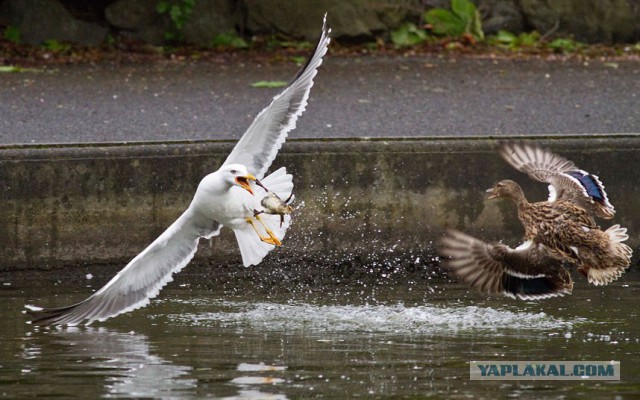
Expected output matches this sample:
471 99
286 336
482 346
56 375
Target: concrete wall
364 200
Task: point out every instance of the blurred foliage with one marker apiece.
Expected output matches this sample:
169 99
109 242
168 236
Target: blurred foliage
229 40
408 35
57 46
12 34
276 42
14 68
462 22
179 13
533 40
565 45
463 19
269 84
512 41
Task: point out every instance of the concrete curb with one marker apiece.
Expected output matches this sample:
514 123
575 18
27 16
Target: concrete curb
370 199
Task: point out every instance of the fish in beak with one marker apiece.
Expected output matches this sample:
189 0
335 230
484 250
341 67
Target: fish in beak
492 193
243 181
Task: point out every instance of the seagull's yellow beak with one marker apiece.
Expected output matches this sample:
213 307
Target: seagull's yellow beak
243 181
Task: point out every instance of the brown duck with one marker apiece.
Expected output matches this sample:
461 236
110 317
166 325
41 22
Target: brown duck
566 181
561 230
569 233
526 272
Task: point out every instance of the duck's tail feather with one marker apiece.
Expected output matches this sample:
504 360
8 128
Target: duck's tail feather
617 261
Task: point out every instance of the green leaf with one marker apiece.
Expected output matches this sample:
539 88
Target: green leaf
299 60
56 46
408 35
565 45
444 22
463 9
529 39
13 68
9 68
12 34
229 40
269 84
474 26
163 7
177 16
505 37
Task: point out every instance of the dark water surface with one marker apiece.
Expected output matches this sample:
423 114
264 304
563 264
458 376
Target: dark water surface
401 340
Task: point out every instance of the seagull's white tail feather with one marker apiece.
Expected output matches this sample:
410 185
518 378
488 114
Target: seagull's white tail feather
279 182
253 250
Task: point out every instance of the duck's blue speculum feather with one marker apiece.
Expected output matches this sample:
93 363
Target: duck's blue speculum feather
534 287
591 184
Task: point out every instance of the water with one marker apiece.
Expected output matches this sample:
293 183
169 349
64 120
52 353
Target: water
405 339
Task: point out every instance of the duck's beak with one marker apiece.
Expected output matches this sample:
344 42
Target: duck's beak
492 193
243 181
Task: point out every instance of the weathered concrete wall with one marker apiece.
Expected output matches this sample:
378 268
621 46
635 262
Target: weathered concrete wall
69 205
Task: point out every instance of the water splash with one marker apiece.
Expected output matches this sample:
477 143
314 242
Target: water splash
394 319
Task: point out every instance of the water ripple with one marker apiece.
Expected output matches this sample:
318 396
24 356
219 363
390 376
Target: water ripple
372 318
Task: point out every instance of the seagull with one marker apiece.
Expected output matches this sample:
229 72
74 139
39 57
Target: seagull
228 197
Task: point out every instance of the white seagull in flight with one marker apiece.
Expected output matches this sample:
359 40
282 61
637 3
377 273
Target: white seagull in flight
226 197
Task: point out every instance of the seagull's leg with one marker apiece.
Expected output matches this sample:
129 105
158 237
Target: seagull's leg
271 239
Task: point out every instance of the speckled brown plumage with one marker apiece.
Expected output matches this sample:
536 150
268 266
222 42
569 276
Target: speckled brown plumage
558 232
566 181
526 272
569 233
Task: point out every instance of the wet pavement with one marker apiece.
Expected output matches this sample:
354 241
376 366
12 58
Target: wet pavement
370 96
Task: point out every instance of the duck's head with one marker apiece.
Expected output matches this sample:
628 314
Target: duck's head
505 188
237 174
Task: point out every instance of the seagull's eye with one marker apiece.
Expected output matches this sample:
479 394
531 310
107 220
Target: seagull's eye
233 171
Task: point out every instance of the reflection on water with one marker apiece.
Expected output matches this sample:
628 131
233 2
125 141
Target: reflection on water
193 343
123 359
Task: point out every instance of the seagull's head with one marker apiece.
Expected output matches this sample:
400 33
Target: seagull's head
237 174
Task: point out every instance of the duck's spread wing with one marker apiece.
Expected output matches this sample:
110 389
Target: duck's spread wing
259 145
140 281
524 272
567 181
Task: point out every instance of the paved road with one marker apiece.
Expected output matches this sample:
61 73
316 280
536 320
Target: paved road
353 97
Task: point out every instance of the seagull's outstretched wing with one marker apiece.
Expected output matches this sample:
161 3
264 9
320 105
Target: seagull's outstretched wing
524 272
567 182
140 281
259 145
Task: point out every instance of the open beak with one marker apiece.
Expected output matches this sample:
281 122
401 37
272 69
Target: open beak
243 181
492 193
261 185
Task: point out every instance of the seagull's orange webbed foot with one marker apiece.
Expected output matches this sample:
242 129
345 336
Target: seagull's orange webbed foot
271 239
